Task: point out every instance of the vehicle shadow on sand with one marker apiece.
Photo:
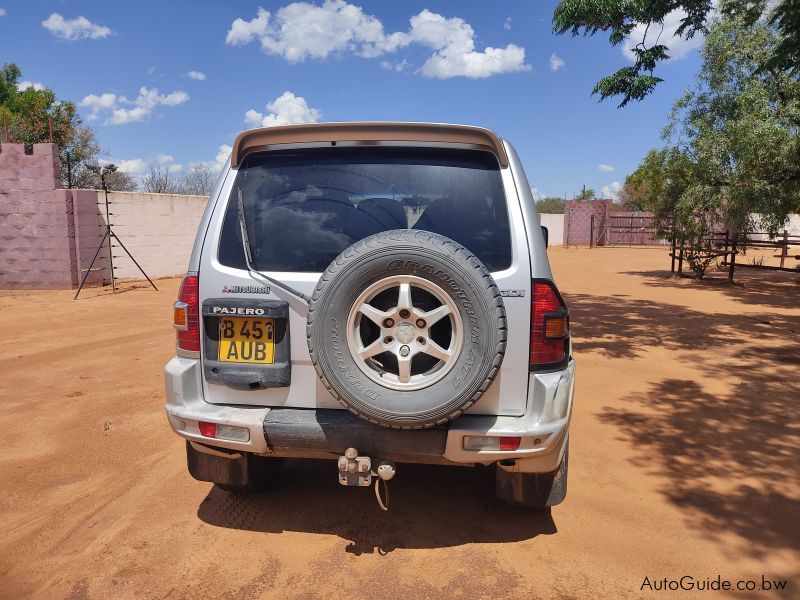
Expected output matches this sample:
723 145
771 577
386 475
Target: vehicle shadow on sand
729 458
429 507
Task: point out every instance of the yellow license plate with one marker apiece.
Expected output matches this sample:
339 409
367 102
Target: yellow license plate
246 340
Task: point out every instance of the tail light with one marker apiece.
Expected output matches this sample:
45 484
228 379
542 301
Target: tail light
476 443
549 328
186 314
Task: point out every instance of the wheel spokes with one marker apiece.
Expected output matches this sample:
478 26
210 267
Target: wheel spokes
436 351
404 368
373 314
434 316
404 331
373 349
404 297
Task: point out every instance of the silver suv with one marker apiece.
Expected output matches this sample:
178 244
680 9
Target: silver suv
373 293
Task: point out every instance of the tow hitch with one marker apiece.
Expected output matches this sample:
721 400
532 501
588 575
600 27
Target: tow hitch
355 470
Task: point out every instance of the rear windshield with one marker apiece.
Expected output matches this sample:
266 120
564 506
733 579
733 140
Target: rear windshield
304 207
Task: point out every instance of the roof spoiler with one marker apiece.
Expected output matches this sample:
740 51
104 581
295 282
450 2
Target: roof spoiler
368 132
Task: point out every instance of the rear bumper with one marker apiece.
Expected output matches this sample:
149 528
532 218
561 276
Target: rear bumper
325 433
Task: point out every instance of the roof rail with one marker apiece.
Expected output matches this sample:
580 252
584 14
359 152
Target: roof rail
368 132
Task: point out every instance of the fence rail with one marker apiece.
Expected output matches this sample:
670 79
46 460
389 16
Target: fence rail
723 245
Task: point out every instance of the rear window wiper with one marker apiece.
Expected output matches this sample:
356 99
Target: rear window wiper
248 257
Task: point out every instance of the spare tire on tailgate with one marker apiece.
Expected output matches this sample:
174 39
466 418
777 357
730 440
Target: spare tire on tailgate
406 329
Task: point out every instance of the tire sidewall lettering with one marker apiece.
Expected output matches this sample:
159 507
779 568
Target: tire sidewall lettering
346 371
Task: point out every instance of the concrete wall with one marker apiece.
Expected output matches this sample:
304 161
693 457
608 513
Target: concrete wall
157 229
555 228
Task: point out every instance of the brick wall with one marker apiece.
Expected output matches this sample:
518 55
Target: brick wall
578 221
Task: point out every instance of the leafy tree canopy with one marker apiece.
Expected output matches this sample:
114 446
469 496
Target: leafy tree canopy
554 206
732 143
620 17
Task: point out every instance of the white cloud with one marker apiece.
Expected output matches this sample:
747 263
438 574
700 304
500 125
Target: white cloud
399 66
507 23
133 167
455 55
24 85
168 161
74 29
129 111
244 32
677 46
556 62
198 75
605 168
300 30
2 12
98 103
611 190
537 195
136 167
222 156
286 109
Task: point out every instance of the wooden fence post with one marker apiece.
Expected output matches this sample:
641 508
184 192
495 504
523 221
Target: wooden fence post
680 261
672 253
733 260
785 248
591 232
725 256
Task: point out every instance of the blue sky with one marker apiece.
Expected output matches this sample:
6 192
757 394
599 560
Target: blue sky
127 66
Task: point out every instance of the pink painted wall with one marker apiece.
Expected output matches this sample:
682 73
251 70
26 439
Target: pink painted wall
610 227
45 231
578 220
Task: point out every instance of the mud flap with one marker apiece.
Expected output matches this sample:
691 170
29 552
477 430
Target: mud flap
533 490
241 470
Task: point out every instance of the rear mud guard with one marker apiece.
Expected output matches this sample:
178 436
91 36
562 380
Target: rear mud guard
242 470
533 490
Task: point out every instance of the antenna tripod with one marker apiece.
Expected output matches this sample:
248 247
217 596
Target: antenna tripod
109 235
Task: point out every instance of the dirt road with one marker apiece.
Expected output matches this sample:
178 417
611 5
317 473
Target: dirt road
684 461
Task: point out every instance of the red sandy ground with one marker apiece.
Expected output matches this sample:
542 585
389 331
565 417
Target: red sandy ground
684 461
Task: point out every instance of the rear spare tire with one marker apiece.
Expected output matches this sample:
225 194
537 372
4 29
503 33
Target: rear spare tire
407 329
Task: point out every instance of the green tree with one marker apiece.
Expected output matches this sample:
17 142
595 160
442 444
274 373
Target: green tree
644 188
733 147
620 17
740 127
553 206
586 194
9 75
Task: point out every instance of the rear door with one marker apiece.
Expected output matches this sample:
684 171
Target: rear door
305 206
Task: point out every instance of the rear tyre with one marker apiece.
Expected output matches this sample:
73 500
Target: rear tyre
537 491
